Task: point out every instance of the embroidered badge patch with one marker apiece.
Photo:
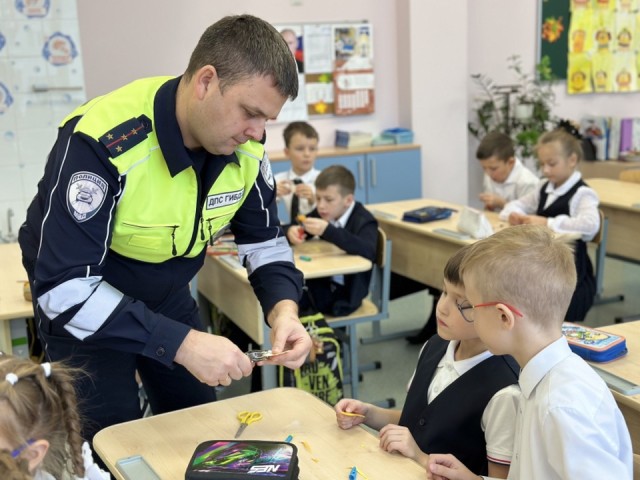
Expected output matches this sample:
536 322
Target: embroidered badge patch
85 195
265 169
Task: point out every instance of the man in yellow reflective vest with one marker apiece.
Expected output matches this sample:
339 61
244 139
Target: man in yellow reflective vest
136 185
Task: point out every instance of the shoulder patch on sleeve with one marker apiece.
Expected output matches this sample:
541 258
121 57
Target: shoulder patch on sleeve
127 135
265 169
85 195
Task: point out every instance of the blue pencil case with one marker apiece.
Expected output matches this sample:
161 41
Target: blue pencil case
427 214
592 344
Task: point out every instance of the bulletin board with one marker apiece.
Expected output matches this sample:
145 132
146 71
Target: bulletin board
335 69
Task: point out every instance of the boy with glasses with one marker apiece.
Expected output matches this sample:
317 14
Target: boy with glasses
568 424
461 397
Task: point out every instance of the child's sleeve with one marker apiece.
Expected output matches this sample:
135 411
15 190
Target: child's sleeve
583 217
498 424
524 205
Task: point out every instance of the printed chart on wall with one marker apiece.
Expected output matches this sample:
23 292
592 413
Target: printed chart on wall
335 69
604 39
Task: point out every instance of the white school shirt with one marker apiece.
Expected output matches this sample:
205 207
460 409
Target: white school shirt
303 205
520 182
498 419
583 215
568 425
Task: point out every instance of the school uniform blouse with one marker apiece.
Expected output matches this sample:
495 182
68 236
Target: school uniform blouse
583 215
568 424
520 182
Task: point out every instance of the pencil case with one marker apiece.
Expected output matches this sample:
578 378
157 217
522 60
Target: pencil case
246 460
592 344
427 214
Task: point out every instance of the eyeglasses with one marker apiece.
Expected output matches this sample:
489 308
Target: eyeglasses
16 453
471 309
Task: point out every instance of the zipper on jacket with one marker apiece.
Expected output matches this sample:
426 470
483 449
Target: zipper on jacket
174 250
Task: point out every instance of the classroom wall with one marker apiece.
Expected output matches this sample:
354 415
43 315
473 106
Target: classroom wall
425 51
498 29
118 48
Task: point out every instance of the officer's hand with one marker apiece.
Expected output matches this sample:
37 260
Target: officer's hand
212 359
287 333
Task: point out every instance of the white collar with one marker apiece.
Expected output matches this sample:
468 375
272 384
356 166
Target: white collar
565 187
307 177
462 366
342 221
536 368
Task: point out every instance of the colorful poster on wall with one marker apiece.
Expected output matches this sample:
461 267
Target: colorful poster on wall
603 46
353 77
335 64
554 19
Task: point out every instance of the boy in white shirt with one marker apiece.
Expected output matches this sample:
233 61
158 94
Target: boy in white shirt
296 186
505 177
519 283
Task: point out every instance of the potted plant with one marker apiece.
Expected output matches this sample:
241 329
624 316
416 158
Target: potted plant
521 110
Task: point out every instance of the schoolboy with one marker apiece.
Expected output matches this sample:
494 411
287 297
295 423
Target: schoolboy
340 219
568 424
505 177
295 187
461 397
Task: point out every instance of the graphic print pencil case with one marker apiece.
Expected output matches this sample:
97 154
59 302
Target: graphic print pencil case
246 460
427 214
592 344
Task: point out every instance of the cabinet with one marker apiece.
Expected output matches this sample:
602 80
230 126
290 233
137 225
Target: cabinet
383 174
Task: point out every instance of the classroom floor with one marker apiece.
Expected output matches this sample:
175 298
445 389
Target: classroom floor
399 357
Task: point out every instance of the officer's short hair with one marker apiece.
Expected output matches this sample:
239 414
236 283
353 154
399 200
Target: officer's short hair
244 46
339 176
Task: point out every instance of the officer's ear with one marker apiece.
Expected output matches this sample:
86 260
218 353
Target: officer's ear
205 79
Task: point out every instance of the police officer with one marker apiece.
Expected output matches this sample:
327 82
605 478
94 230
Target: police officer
137 183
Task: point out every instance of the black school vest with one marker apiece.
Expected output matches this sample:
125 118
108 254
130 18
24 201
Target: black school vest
451 423
561 207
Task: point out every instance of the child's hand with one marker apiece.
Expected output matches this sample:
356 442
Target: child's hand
283 187
315 226
304 190
448 467
296 235
350 405
492 201
394 438
516 218
534 220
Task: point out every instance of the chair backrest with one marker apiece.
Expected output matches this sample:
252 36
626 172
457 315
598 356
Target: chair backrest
630 175
381 276
601 235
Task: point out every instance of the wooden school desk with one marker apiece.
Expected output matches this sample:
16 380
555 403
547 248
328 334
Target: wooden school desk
617 200
627 367
419 252
12 303
607 169
224 282
325 451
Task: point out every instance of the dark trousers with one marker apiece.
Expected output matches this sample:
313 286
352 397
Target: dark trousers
108 394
